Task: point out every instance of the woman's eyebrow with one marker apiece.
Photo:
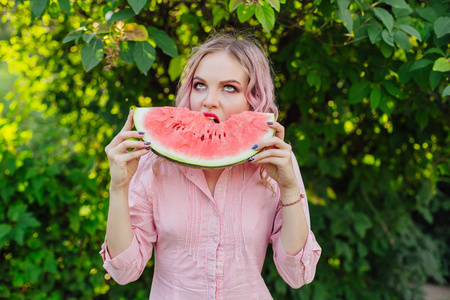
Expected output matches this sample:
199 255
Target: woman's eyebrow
221 82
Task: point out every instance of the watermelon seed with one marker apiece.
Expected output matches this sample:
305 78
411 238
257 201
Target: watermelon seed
202 138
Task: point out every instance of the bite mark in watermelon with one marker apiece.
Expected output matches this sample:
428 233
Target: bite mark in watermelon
191 138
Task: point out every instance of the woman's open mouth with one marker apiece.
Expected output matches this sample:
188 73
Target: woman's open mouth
212 116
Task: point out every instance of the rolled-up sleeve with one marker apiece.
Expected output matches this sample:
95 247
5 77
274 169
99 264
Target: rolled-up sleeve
129 265
299 269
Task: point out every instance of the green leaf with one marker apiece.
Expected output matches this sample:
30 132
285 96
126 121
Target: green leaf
72 37
163 41
15 5
87 37
404 74
424 62
388 38
397 4
422 118
218 15
144 56
428 13
18 234
4 232
441 64
92 53
374 32
27 220
38 6
126 52
435 78
343 249
361 224
275 4
385 17
121 15
245 12
375 97
343 4
386 50
358 91
393 90
50 263
387 104
15 211
401 12
402 40
446 91
411 31
313 79
234 4
442 26
65 6
405 20
137 5
176 67
135 32
266 16
347 20
435 51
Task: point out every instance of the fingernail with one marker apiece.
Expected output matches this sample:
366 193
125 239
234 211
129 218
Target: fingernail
251 159
147 143
254 147
141 133
148 148
269 123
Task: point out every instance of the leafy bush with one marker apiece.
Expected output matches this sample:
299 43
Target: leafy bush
363 92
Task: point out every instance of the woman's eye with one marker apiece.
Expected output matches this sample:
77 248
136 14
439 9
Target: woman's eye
199 86
229 88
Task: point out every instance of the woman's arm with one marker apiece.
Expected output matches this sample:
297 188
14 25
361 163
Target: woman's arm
294 229
277 160
119 233
123 165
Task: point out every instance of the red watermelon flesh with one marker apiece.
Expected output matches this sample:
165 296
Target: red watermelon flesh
191 138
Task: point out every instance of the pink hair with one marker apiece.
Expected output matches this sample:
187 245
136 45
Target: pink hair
249 53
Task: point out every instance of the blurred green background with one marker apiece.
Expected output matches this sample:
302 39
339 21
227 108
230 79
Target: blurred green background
363 90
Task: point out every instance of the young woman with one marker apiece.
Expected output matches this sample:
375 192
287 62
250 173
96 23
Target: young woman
210 228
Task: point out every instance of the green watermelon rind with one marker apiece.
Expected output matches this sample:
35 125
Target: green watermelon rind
193 162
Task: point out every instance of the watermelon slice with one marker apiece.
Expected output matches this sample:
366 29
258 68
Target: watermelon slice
197 139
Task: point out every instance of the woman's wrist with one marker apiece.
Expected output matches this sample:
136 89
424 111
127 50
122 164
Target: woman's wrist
290 191
289 195
118 190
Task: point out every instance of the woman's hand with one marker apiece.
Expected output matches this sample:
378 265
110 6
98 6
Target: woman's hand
276 158
123 163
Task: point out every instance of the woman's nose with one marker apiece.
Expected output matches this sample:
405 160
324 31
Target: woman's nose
211 100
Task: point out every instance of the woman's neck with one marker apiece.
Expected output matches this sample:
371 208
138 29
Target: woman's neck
212 176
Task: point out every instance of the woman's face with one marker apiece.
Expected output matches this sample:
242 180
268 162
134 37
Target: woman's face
219 86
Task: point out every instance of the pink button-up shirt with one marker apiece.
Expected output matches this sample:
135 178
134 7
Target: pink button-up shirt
207 246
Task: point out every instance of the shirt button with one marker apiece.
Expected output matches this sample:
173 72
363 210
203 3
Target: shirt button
216 214
220 189
218 264
215 239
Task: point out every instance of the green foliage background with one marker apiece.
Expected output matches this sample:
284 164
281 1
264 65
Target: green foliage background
362 87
